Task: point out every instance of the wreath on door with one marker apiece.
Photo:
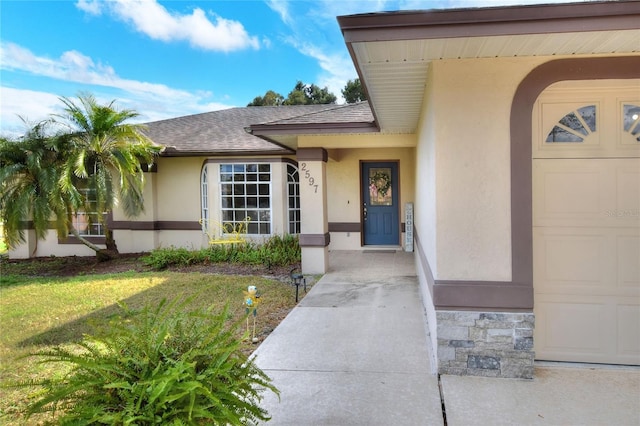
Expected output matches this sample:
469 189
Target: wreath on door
381 181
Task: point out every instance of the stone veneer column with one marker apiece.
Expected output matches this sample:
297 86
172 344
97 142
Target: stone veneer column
489 344
314 227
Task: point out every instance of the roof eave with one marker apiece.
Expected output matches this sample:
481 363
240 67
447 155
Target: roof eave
312 128
227 153
491 21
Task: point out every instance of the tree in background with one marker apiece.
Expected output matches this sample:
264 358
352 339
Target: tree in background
92 165
353 92
270 98
302 94
305 94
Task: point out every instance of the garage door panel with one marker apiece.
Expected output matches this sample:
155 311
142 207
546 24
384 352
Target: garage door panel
571 328
575 260
628 262
587 192
629 332
628 191
566 191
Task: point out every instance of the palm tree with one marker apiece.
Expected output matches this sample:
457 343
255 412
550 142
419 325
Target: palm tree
29 184
105 159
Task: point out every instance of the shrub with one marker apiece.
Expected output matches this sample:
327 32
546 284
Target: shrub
276 251
158 366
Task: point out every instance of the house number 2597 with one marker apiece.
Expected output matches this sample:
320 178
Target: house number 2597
307 175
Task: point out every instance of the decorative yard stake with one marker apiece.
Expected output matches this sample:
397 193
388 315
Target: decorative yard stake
251 301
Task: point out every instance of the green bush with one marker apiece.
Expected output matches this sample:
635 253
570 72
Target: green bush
276 251
158 366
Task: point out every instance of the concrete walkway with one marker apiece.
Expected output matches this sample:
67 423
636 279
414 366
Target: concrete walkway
353 352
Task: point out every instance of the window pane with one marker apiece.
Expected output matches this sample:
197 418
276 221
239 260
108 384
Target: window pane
263 189
559 134
238 189
239 203
264 202
252 168
572 122
588 114
226 202
264 168
252 202
252 189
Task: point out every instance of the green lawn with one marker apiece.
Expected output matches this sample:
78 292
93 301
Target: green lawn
39 312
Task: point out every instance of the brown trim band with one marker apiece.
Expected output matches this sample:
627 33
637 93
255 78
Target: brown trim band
75 240
314 240
313 128
474 295
249 160
344 227
312 154
173 152
159 225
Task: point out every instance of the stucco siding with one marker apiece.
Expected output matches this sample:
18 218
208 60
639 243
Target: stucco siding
178 183
470 112
425 195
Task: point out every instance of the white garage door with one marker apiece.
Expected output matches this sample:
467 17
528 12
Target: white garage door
586 222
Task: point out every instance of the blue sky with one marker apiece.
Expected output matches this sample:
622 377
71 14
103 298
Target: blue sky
170 58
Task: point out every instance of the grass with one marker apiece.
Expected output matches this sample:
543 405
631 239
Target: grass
41 312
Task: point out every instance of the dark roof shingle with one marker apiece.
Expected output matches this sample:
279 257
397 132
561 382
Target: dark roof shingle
224 131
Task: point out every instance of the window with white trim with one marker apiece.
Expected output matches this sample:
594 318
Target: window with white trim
88 223
245 196
293 193
576 126
204 199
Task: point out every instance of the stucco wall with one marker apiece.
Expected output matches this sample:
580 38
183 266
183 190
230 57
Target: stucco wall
178 182
464 136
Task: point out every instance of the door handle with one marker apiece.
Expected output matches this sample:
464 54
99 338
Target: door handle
364 211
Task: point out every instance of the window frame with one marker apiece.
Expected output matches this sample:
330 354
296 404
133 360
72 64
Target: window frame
242 195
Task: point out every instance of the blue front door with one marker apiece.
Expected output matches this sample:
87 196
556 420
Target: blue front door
380 211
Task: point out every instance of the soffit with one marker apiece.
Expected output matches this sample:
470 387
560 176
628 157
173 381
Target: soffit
395 71
392 50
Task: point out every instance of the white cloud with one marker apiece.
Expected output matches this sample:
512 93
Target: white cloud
153 101
31 105
154 20
92 7
281 7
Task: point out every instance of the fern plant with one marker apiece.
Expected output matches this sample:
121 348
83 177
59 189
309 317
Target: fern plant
160 366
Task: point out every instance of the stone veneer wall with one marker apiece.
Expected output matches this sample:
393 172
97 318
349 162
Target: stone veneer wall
485 344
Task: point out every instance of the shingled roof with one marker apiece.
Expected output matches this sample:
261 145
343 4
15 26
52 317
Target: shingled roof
228 131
